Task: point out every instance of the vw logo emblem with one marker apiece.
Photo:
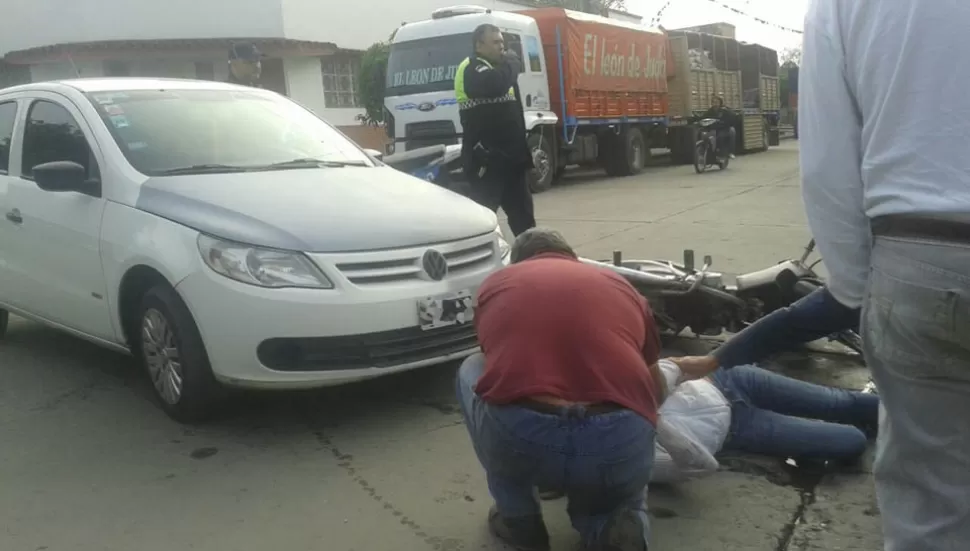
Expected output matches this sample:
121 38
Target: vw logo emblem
435 264
426 106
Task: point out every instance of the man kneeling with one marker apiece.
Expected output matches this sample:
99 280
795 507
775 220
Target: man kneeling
565 395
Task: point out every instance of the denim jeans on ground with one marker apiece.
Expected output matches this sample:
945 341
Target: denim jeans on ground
916 333
779 416
814 316
602 462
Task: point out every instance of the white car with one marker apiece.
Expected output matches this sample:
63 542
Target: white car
226 236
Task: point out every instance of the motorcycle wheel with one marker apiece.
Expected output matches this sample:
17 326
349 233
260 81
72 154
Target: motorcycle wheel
700 157
722 162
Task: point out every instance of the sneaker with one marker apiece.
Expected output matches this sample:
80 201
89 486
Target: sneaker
731 155
623 532
522 534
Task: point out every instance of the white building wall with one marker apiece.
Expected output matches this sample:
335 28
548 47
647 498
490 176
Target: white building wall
304 83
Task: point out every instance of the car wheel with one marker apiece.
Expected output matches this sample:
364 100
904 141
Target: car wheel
4 321
170 348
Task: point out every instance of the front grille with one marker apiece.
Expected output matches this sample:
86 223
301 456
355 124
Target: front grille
409 268
383 349
428 133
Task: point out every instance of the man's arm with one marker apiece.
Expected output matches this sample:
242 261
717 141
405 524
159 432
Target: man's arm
651 352
483 82
830 147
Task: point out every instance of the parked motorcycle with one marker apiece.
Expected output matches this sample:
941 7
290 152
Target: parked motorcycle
433 163
706 151
684 297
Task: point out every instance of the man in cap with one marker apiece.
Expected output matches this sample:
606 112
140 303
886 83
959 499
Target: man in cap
245 64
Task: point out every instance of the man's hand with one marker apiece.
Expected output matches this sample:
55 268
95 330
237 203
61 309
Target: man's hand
511 59
695 367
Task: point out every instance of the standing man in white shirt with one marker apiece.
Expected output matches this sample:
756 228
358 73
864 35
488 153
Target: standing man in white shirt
884 134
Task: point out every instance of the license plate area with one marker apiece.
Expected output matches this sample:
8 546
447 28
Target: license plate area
445 310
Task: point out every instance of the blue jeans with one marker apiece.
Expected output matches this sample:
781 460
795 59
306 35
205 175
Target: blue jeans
814 316
916 333
602 462
779 416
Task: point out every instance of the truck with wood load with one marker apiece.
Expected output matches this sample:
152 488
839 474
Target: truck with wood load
594 90
761 105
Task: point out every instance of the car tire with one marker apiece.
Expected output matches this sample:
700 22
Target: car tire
4 322
543 175
169 346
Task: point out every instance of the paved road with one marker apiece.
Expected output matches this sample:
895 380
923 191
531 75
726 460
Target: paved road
87 463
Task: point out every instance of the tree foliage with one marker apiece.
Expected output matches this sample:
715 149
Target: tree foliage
370 85
791 57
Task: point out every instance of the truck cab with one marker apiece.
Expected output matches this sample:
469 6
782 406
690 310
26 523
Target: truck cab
420 108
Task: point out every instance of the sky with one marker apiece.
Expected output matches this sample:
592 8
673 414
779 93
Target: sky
687 13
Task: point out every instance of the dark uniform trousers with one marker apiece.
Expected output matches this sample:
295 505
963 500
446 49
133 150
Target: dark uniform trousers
505 187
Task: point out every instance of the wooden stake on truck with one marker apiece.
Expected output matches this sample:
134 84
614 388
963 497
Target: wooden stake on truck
762 99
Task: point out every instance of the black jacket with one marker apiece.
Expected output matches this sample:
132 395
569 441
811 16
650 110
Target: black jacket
491 114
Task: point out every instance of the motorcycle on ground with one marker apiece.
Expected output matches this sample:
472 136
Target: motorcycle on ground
683 296
706 151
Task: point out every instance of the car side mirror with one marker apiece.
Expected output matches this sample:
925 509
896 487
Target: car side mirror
62 176
374 153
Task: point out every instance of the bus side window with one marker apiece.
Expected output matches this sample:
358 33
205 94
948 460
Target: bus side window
535 54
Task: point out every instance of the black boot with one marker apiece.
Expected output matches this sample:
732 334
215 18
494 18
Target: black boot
521 533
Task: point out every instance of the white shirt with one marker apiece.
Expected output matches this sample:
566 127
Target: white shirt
884 113
692 424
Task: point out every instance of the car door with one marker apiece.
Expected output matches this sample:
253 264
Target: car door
58 266
8 119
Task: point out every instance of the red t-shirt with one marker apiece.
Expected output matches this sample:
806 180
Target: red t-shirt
554 326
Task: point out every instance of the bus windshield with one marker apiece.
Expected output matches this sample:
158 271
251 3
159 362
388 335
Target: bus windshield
426 65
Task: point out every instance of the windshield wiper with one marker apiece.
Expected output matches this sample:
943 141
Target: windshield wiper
204 169
310 162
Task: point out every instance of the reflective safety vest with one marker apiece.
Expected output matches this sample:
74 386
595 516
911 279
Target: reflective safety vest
464 102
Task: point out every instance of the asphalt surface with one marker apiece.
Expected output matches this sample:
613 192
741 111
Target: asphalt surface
87 462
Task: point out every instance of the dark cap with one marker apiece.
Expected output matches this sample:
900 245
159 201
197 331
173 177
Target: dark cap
246 51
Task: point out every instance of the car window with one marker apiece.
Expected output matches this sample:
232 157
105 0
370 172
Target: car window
164 130
52 134
514 42
8 114
535 54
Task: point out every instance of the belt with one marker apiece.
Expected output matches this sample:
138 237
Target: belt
921 227
550 409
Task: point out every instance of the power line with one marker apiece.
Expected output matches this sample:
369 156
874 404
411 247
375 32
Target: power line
749 16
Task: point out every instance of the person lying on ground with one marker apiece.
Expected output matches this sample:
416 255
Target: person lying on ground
564 395
753 410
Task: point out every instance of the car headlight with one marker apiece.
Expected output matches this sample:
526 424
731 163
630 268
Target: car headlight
504 249
261 267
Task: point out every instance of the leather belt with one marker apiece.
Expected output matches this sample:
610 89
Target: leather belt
550 409
921 227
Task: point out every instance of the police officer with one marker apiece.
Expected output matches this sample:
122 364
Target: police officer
245 64
495 152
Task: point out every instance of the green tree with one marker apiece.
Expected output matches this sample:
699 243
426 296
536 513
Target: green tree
370 85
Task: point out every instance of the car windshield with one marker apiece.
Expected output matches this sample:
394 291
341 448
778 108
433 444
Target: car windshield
194 131
426 65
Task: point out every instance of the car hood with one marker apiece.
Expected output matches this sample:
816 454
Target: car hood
317 210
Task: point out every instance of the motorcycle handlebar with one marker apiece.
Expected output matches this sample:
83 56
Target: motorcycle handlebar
668 287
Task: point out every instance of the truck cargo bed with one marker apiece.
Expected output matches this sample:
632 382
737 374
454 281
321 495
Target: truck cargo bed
600 69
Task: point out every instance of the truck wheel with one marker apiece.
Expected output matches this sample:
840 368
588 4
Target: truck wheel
4 321
630 155
170 349
543 175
